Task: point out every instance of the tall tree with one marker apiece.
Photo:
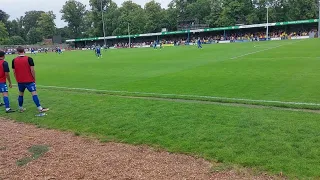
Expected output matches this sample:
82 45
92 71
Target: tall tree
3 32
110 12
305 9
64 33
215 11
46 24
199 10
34 36
73 13
236 12
132 14
30 20
3 16
13 28
170 20
16 40
22 31
154 15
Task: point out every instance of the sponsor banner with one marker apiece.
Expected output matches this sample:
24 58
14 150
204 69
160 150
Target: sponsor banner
300 37
263 39
257 25
297 22
174 32
70 40
221 28
86 39
109 37
276 39
29 52
144 46
167 45
127 36
151 34
223 42
197 30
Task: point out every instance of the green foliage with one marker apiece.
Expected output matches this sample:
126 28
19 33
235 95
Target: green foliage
154 15
64 32
16 40
216 8
73 12
34 36
30 20
306 9
37 151
3 16
200 9
23 161
46 24
13 28
236 12
130 13
3 32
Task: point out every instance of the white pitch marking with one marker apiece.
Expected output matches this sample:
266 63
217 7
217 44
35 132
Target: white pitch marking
182 95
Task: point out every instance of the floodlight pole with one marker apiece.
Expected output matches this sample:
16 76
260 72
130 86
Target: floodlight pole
129 35
103 26
319 21
267 33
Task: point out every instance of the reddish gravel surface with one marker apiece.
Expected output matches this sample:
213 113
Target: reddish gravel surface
72 157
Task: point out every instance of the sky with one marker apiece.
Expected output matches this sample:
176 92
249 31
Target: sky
17 8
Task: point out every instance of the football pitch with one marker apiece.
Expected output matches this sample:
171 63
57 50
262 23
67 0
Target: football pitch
244 104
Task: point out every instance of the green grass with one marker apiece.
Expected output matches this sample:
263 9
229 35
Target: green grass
286 73
37 151
261 138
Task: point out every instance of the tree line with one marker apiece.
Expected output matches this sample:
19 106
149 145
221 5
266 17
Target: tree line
84 21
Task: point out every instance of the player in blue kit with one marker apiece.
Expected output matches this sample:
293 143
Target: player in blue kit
59 50
199 43
33 51
4 76
155 45
98 51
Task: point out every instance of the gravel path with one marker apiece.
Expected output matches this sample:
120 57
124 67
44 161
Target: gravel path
72 157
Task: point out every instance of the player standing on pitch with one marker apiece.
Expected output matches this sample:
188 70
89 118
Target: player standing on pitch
199 43
23 68
98 51
4 76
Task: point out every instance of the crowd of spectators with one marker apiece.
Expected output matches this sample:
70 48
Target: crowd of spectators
12 49
182 39
206 38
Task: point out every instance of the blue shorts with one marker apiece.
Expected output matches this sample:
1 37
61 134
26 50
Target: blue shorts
30 86
3 87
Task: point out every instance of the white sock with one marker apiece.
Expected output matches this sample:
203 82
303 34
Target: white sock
7 109
40 108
